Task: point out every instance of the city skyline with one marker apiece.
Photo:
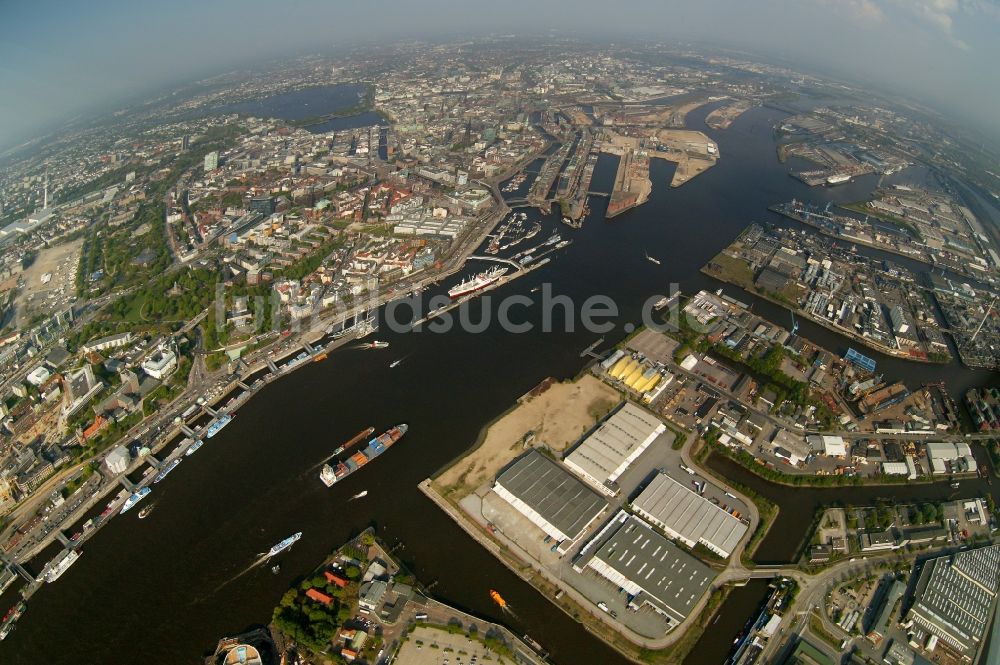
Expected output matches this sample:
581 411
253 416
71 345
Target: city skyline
938 52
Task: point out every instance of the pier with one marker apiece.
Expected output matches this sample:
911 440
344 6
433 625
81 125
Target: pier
521 270
589 351
17 568
496 259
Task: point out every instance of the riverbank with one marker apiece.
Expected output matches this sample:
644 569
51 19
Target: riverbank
553 414
634 647
361 585
729 277
467 500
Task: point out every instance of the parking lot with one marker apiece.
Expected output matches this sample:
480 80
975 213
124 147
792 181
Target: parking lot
433 646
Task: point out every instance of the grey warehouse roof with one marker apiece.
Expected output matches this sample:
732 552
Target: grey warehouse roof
673 579
690 516
954 595
553 492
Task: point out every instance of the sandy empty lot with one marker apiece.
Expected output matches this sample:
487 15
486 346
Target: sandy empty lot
38 298
557 417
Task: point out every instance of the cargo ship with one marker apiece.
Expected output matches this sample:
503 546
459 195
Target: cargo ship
333 474
217 426
477 282
284 544
59 565
198 443
136 497
165 471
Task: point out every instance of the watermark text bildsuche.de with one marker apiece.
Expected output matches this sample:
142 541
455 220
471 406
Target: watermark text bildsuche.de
543 310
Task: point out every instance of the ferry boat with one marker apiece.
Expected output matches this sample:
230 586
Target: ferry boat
165 471
561 244
198 443
477 282
284 544
136 497
59 565
217 426
10 619
332 474
534 231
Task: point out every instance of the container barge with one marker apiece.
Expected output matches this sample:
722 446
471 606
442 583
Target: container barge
378 445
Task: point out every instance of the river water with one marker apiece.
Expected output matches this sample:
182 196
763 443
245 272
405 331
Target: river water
163 590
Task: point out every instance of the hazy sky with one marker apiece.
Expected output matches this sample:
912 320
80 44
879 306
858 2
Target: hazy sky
61 57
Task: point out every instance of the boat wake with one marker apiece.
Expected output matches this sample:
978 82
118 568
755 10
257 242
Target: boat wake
262 558
311 470
506 609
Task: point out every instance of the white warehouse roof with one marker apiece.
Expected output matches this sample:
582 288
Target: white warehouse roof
688 516
605 454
